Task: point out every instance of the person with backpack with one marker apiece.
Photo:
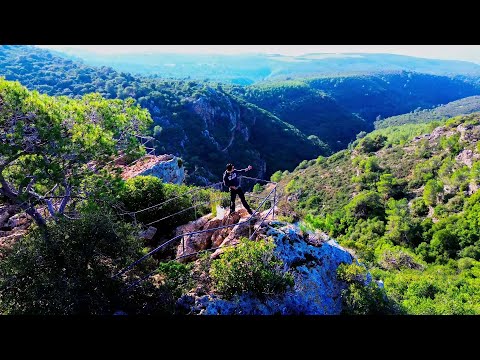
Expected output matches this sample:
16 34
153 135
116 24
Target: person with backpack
231 180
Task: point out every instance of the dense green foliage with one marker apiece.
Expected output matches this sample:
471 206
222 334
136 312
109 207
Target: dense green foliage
464 106
57 147
362 297
310 110
374 97
250 267
142 192
72 273
408 208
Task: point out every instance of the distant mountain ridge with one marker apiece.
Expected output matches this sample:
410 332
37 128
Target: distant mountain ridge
246 69
463 106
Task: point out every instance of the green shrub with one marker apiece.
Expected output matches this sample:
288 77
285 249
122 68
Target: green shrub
475 172
361 135
432 190
257 188
291 186
451 143
303 165
366 204
320 160
157 131
277 176
360 298
465 263
423 150
471 251
176 277
418 207
251 267
371 143
141 192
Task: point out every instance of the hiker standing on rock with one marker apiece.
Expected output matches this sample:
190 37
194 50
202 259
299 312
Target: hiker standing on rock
230 180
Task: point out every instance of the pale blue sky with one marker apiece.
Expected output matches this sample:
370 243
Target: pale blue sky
453 52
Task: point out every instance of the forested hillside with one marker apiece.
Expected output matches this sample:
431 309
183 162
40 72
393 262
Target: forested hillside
384 95
336 108
406 201
195 120
464 106
271 125
310 110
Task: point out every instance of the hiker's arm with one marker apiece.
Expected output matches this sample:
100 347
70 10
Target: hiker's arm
249 167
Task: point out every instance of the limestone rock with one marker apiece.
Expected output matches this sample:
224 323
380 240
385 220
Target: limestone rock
312 259
169 168
233 238
18 220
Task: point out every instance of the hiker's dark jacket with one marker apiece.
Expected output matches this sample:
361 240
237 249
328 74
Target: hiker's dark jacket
232 178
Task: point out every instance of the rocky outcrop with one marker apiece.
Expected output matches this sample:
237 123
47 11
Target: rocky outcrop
168 168
237 225
311 258
469 133
467 157
12 227
190 244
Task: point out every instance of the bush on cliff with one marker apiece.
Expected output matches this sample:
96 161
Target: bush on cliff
251 267
361 297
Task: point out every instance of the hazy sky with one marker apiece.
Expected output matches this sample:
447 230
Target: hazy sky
454 52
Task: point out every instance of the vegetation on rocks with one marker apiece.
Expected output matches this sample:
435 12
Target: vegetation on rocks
408 205
250 267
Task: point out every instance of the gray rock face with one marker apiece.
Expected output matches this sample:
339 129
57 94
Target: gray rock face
467 157
169 171
313 262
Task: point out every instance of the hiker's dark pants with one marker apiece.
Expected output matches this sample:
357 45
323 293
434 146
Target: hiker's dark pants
241 195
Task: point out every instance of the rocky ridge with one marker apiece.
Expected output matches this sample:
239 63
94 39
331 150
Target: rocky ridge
312 258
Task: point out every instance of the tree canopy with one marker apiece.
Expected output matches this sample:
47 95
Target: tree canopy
54 149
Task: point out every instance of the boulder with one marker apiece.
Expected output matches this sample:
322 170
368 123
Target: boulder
193 225
242 229
18 220
149 233
184 249
211 225
7 241
219 235
168 168
193 243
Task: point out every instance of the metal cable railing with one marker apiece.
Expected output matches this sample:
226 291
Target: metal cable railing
158 248
139 281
